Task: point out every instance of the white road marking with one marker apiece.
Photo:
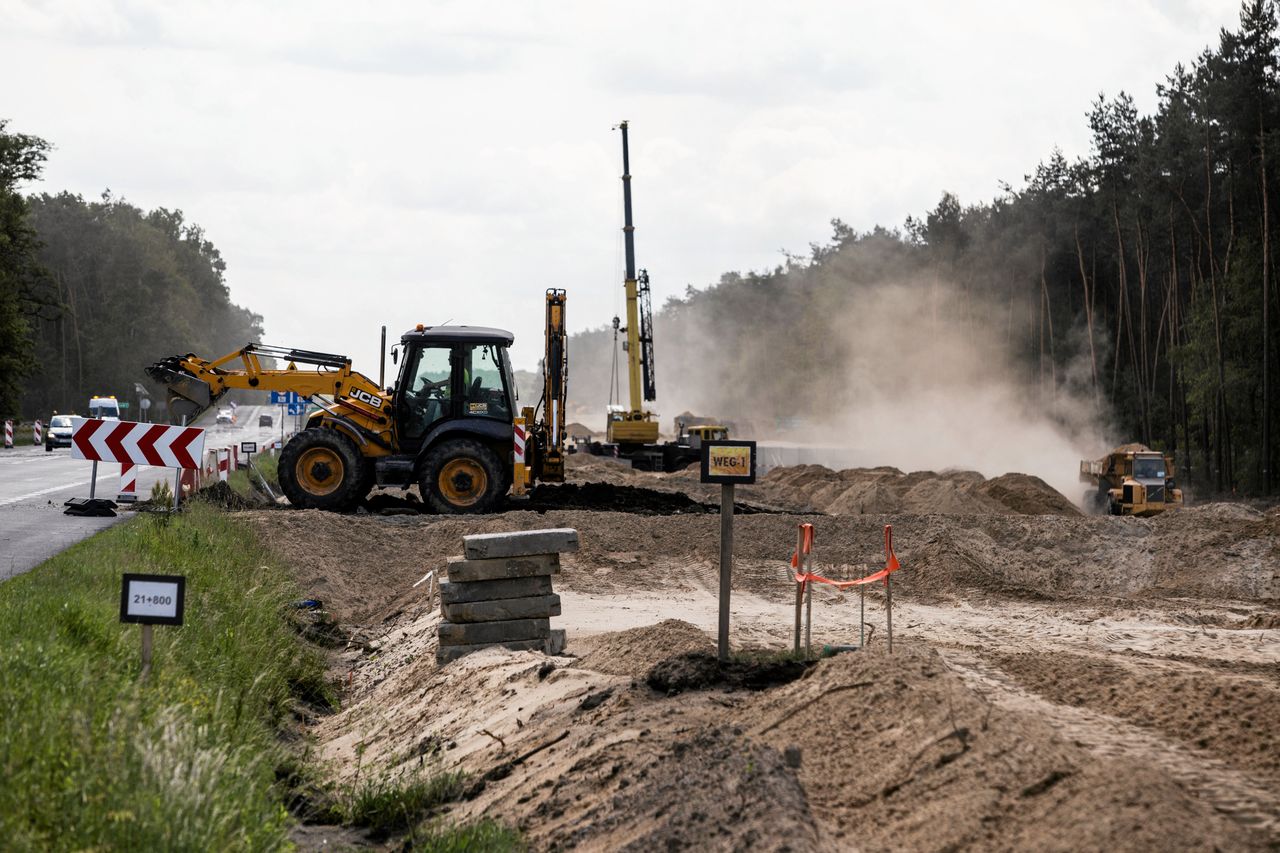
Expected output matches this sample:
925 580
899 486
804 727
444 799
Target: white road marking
8 501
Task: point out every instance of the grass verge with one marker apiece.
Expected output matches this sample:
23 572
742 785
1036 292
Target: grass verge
247 482
485 836
90 758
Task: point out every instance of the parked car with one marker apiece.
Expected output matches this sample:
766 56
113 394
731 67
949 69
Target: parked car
264 421
58 434
226 416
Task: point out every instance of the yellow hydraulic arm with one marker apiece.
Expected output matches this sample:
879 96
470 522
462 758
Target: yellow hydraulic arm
543 441
195 384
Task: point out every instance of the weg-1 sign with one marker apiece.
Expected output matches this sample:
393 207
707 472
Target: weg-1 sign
729 462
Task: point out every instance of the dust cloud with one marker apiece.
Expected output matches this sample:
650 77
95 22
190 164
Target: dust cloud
913 373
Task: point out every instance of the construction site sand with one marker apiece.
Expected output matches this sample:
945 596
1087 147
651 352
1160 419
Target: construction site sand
1058 681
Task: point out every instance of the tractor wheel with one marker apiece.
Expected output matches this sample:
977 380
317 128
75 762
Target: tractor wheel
321 469
462 476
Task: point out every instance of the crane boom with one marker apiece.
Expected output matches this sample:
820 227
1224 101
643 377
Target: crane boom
635 425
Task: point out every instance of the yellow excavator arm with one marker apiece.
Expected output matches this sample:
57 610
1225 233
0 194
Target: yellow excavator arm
195 384
544 441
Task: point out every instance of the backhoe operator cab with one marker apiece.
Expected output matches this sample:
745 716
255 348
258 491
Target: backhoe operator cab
449 417
453 404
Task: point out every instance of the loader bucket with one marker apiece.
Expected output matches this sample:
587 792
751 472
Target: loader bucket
188 396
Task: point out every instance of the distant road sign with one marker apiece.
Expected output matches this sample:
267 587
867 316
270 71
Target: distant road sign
297 408
285 398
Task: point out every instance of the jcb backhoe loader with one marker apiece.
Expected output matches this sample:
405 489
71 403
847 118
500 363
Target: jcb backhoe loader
449 424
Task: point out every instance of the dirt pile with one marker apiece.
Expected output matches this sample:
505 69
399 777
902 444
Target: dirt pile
637 650
1236 718
875 491
855 491
923 762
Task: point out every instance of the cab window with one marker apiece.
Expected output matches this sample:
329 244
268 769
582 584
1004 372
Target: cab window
427 394
484 393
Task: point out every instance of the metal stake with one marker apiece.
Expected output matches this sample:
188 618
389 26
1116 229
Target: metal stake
862 615
93 484
799 586
808 607
146 652
888 606
177 490
726 566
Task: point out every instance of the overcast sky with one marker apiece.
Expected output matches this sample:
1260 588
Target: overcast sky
405 162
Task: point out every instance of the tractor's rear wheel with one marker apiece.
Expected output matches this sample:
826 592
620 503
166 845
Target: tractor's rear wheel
321 469
462 476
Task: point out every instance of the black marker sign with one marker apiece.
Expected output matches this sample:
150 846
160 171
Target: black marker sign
153 599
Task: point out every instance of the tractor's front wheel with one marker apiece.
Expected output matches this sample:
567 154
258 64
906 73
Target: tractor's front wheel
462 476
321 469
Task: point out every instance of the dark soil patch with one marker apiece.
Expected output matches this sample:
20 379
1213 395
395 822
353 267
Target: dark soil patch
700 670
221 494
607 497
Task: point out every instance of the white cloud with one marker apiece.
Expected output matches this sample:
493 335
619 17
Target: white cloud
417 162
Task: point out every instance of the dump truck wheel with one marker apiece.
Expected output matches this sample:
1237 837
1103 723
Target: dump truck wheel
462 476
321 469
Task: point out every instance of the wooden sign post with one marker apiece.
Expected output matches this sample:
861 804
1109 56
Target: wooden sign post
727 463
152 600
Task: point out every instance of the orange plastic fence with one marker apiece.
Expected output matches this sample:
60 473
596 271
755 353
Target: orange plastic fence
891 563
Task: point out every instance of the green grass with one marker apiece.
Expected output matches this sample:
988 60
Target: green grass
89 757
244 481
386 804
485 836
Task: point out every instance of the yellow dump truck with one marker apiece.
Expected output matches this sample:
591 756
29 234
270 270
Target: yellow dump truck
1133 479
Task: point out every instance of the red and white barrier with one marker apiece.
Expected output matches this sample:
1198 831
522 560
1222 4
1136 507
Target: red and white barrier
37 433
142 444
8 434
128 483
518 436
224 465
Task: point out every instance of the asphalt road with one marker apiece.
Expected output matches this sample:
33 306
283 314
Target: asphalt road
34 484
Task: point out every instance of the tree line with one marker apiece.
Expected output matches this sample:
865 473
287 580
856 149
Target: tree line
92 291
1141 275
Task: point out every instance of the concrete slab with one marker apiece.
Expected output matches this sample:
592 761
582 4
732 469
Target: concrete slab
460 592
503 568
445 654
503 609
511 630
553 645
522 543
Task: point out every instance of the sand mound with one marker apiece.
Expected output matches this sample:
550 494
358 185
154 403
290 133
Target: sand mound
882 491
634 652
1027 495
921 762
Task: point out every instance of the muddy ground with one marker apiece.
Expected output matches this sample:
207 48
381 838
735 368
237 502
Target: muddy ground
1057 681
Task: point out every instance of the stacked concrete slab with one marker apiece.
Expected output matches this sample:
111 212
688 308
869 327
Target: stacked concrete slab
499 593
